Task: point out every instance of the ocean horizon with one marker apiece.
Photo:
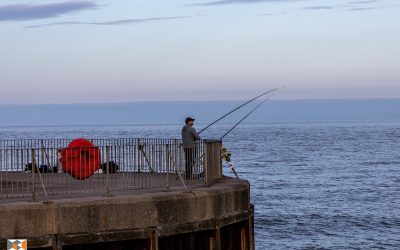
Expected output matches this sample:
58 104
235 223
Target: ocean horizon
174 112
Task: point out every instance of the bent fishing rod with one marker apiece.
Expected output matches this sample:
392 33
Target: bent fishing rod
226 153
245 117
238 107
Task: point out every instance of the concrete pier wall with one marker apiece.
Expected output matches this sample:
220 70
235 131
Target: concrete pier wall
215 217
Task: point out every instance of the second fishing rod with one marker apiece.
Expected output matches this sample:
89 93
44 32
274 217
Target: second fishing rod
225 154
237 108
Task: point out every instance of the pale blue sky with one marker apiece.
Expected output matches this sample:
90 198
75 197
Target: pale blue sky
129 50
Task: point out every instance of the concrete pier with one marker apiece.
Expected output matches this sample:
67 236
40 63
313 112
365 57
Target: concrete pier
213 217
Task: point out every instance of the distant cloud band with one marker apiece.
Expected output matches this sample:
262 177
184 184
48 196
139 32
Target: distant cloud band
319 8
224 2
115 22
23 12
360 5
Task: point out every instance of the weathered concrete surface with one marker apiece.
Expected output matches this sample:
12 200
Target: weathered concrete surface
128 216
17 186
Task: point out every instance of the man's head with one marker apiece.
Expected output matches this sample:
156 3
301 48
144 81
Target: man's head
189 121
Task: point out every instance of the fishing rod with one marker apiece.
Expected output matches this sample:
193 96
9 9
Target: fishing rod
225 153
244 118
238 107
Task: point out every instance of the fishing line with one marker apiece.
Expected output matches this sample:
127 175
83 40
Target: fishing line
244 118
238 107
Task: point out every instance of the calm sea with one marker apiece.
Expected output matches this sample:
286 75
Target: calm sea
314 185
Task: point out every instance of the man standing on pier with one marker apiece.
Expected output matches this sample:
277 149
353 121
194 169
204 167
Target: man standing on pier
189 137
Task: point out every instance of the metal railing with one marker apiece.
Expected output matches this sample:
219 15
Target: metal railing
41 169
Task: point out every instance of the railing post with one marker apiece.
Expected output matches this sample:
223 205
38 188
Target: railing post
206 164
108 170
167 164
213 162
33 174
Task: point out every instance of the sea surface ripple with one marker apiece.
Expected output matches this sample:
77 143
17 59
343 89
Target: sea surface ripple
314 185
